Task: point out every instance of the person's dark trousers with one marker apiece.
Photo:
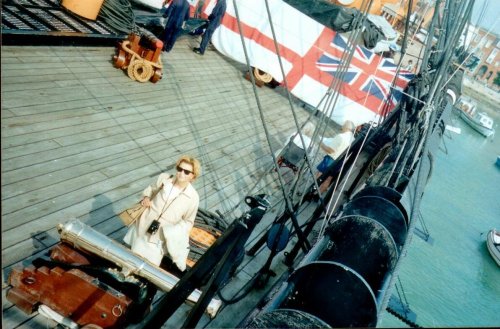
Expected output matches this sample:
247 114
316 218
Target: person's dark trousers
206 37
170 37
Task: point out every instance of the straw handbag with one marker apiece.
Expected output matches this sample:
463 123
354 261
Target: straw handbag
130 215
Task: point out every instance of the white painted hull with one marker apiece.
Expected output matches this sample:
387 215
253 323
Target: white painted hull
485 131
493 246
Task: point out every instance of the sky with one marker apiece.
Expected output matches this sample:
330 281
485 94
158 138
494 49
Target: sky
491 15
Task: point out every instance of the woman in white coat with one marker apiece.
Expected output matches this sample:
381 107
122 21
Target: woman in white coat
163 229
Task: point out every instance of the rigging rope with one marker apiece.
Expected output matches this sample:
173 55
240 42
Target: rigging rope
422 149
266 131
404 304
328 108
285 82
333 97
422 222
315 152
403 299
331 208
452 37
248 287
471 52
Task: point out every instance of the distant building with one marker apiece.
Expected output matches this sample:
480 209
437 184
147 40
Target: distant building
484 62
395 12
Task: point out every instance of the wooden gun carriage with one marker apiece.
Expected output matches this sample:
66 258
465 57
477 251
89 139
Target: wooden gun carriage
92 281
140 56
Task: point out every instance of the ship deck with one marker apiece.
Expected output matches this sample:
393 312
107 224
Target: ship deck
81 140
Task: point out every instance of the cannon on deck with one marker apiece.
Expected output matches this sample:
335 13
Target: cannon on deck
140 56
91 280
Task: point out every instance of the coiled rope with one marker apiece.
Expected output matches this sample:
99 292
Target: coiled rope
262 76
139 68
207 228
119 15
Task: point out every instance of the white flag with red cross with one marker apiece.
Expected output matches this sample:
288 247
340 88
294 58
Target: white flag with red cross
312 59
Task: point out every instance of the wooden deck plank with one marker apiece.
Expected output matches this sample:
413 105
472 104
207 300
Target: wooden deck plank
58 106
40 168
81 140
66 202
37 210
64 152
141 141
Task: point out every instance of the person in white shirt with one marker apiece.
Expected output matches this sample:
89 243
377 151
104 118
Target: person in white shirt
334 147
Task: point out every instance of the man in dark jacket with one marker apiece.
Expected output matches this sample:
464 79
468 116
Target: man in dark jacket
177 13
214 21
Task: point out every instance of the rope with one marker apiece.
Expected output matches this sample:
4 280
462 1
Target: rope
264 77
415 206
422 222
248 287
345 60
285 82
330 98
402 293
243 292
445 62
266 131
140 70
472 51
329 94
119 15
135 56
212 224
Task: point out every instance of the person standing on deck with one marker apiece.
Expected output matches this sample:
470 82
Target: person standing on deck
214 21
177 13
334 147
164 227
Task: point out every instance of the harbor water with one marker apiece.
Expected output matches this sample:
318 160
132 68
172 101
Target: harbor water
454 282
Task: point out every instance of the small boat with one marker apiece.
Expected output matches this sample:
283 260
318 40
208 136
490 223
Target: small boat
479 121
498 161
493 244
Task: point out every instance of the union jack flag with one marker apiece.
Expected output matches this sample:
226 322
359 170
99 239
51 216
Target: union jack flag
374 73
333 65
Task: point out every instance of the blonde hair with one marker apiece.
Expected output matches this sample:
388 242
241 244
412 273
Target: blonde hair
193 162
348 126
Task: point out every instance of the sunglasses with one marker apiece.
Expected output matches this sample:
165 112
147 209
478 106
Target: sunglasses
187 172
